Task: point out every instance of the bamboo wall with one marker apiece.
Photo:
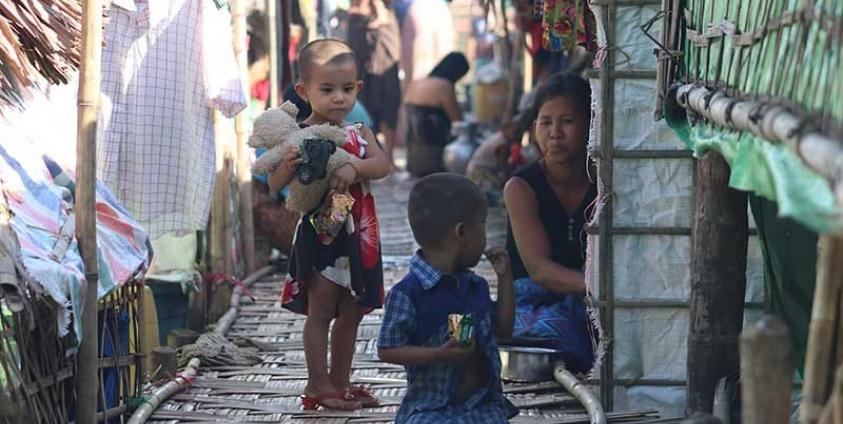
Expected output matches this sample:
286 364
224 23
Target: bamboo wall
37 368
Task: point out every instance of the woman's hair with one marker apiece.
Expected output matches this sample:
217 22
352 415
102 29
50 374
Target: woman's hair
563 85
256 29
452 67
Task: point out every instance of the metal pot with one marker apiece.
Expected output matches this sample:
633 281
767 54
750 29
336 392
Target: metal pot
524 364
457 154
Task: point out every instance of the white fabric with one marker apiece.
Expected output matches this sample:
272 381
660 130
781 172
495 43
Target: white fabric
164 67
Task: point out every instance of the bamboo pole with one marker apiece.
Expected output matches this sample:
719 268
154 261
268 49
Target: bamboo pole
272 25
773 123
836 400
86 230
220 224
164 392
766 373
241 128
821 332
184 378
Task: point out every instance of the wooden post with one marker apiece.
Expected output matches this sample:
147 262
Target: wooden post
837 397
220 224
86 221
284 20
272 25
766 373
819 358
241 128
718 281
165 362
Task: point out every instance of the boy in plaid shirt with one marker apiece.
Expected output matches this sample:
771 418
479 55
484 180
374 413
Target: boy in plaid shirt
446 382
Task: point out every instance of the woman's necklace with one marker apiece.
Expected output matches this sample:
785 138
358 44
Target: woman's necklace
571 227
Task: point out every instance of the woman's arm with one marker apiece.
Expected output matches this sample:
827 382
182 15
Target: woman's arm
533 243
450 104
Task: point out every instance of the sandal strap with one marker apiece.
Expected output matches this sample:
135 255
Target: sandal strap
359 391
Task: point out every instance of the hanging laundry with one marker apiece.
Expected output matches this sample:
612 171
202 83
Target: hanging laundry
568 23
165 65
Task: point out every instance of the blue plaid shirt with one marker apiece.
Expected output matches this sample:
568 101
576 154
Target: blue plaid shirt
416 314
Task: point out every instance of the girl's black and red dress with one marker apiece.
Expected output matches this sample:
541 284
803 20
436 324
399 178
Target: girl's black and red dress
352 260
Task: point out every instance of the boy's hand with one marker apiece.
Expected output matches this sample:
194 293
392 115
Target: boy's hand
499 258
343 177
452 352
292 158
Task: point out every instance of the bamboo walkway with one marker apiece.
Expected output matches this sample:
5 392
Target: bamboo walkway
269 392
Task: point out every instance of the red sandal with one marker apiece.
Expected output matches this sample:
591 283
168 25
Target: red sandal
360 394
311 403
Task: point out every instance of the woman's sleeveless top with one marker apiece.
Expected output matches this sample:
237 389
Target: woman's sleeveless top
566 233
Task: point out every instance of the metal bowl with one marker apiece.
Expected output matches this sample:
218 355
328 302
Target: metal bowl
523 364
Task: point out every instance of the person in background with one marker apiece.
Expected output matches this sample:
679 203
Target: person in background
430 106
493 162
548 202
427 35
374 36
401 7
334 277
449 381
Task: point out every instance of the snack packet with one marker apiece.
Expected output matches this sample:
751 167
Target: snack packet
461 328
331 216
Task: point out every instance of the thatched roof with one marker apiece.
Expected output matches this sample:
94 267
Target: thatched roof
39 40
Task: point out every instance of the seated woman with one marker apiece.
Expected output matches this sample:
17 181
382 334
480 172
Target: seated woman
548 205
430 106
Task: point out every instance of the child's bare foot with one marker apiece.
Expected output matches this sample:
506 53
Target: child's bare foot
329 398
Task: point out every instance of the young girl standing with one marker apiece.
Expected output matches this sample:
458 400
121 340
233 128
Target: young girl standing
343 280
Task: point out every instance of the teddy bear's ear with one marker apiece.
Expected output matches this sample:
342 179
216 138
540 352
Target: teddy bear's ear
290 108
255 141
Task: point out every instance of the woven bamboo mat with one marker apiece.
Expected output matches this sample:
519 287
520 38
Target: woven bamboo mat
269 392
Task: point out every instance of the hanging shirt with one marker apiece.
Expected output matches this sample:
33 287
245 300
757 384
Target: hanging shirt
165 66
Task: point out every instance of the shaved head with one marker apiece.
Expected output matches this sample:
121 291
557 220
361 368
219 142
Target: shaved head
438 202
324 52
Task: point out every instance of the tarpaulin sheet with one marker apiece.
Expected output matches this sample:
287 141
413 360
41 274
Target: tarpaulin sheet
41 203
649 342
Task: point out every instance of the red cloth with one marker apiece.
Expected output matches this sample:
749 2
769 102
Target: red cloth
260 90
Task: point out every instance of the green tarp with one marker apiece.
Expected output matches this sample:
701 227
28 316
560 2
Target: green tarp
768 170
790 257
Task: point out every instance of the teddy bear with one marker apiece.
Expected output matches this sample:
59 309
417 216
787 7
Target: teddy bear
275 130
